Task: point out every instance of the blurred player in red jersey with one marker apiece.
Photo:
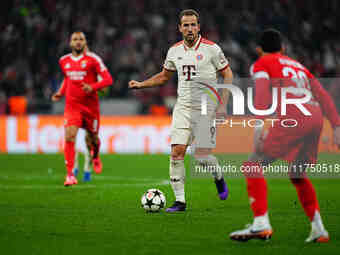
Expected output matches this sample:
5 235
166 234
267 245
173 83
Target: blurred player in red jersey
81 70
88 141
298 145
87 156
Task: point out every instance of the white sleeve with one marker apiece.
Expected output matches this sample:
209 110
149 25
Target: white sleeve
218 59
169 63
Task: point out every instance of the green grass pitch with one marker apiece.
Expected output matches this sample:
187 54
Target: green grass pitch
38 215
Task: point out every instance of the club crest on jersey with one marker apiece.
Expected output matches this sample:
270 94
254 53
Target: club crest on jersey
199 57
67 66
222 58
83 64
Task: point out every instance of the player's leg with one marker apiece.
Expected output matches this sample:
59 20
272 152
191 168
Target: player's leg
76 164
204 133
181 136
87 163
92 127
94 144
205 158
257 193
96 162
305 189
69 152
177 176
307 197
88 160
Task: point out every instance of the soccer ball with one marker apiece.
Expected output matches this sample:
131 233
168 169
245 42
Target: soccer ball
153 200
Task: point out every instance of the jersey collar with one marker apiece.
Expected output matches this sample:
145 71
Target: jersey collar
197 44
77 58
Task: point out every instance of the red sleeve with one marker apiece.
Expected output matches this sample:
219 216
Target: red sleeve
327 104
104 73
263 94
62 88
105 82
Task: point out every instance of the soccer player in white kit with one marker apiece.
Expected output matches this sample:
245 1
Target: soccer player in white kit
194 58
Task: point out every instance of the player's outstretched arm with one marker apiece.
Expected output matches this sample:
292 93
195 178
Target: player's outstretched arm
327 104
158 79
328 108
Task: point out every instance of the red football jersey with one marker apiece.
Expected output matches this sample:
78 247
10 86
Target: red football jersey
83 69
277 70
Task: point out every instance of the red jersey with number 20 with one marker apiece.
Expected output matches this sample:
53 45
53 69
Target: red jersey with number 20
276 70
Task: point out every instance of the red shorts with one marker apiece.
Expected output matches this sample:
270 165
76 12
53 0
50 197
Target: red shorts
292 143
82 119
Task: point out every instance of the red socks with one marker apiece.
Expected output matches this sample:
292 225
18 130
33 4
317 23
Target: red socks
69 153
256 187
307 196
257 191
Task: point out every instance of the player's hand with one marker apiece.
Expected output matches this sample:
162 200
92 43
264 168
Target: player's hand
56 97
135 84
87 88
336 136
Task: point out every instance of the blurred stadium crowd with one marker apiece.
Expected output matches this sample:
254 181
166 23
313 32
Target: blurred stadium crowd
133 36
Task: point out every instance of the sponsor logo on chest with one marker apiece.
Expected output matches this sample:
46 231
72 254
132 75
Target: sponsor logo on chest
76 75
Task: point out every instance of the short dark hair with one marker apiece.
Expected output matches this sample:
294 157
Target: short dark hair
189 12
270 40
77 31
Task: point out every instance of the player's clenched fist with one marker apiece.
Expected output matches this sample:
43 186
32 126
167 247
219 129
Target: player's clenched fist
135 84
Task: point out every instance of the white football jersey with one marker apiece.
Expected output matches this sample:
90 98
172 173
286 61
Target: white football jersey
202 62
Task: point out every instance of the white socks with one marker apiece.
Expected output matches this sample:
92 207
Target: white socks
211 163
317 224
261 222
177 176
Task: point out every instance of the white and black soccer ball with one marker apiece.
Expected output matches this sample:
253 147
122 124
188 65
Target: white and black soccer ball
153 200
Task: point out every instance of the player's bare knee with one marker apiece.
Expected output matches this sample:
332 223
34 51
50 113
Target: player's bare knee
295 180
178 152
71 133
70 137
254 157
297 171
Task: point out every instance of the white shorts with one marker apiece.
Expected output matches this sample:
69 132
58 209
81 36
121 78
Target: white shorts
190 126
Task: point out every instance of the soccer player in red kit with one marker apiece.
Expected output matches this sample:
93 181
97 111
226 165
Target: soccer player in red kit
81 70
298 145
